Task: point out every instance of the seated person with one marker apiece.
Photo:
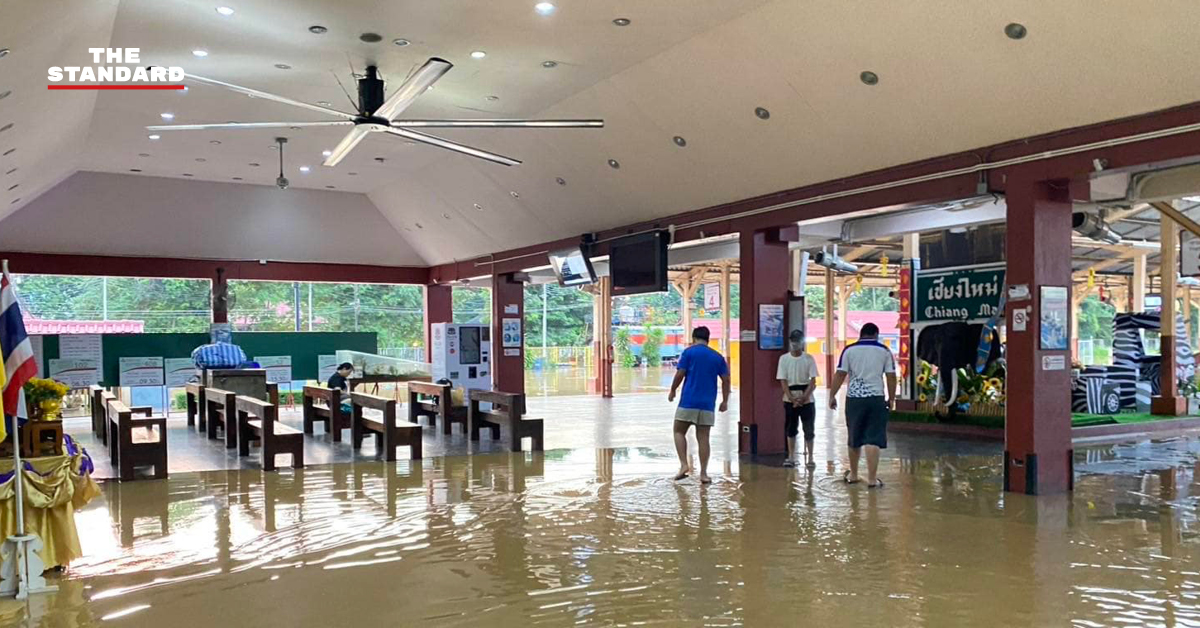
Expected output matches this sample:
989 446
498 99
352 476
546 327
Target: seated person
218 355
339 381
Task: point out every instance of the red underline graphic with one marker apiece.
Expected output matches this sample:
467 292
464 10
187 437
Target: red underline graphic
114 87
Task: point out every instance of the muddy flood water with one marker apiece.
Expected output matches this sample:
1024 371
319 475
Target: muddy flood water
604 537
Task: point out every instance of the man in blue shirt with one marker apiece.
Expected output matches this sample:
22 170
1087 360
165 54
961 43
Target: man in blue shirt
698 370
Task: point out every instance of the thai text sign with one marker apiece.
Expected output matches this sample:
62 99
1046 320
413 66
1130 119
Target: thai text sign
957 294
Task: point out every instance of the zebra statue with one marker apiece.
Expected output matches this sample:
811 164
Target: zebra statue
1133 374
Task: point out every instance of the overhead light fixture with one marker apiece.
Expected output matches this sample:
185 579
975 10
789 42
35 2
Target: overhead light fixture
400 41
135 169
4 52
622 21
226 11
352 174
478 54
545 8
283 66
215 142
561 181
304 168
188 174
493 98
614 164
445 215
199 53
167 116
679 141
201 160
6 127
478 207
762 113
833 262
514 194
154 137
869 78
5 94
317 29
330 187
254 165
549 64
1093 226
143 154
326 153
370 38
237 178
1016 31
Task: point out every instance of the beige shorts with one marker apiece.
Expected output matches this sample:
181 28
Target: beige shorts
697 417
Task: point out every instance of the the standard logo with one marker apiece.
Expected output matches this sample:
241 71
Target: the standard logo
111 76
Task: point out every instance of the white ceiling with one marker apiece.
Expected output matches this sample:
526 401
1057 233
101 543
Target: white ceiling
950 81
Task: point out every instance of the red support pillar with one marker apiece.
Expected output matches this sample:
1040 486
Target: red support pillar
508 363
439 308
1037 431
765 265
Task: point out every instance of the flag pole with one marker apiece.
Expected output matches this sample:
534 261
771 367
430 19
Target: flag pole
15 437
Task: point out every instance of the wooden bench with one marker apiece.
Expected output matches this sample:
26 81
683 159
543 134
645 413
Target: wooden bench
390 433
196 408
435 400
507 409
331 414
99 420
258 420
136 442
221 411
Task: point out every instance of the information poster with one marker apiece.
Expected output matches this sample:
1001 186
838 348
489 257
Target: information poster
326 366
39 355
75 373
770 326
511 328
279 368
712 297
1053 323
179 371
140 371
80 347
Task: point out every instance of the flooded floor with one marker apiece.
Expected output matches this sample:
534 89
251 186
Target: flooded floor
600 535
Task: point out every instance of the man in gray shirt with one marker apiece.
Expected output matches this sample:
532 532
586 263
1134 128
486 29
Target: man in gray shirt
865 364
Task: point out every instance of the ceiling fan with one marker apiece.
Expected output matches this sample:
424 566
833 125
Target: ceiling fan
379 115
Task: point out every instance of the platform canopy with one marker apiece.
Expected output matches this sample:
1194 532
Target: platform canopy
762 96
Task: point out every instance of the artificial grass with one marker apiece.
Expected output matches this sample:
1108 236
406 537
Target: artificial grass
997 422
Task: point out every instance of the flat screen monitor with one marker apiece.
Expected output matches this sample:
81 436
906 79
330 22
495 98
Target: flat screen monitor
638 263
572 267
470 349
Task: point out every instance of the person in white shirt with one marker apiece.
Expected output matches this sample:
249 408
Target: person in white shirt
865 364
797 375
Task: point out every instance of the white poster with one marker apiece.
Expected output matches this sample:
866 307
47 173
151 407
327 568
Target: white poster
712 297
326 366
1189 255
75 373
80 347
179 371
279 368
511 328
38 354
140 371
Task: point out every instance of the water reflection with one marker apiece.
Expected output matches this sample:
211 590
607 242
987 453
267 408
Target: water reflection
604 537
571 380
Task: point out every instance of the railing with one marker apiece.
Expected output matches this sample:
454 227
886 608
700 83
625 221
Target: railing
414 354
559 357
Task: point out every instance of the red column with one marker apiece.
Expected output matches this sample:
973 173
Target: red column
439 308
1038 454
508 363
765 265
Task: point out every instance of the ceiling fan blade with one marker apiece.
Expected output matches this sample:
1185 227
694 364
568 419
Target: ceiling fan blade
265 96
433 140
416 85
483 123
244 125
347 144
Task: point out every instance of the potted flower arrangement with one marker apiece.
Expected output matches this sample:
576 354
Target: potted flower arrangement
43 398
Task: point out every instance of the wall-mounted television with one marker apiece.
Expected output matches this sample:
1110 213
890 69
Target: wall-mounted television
572 267
638 263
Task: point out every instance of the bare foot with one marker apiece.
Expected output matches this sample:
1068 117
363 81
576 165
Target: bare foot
683 473
849 479
704 479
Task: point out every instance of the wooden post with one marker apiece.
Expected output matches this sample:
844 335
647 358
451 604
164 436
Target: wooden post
1168 402
830 340
726 341
1137 285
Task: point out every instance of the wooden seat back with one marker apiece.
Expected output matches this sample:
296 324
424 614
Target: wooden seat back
259 409
383 404
223 400
503 403
331 396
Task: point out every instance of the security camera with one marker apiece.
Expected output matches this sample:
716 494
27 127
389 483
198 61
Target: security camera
834 263
282 182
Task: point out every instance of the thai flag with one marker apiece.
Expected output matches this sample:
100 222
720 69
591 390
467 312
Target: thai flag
19 363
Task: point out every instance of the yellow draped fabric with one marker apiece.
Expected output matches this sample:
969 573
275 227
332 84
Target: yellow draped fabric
52 495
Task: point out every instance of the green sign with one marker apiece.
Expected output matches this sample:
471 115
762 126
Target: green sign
957 294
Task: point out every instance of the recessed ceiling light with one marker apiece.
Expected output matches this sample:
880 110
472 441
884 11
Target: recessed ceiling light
237 178
445 215
478 207
514 195
135 170
869 78
253 165
614 164
14 186
371 38
215 142
199 53
6 127
226 11
294 128
187 174
561 181
4 52
11 171
201 160
549 64
154 137
622 21
418 225
545 8
9 152
478 54
326 153
16 200
330 187
493 98
400 41
283 66
5 94
762 113
353 174
1015 31
317 29
679 141
143 154
167 116
304 168
324 103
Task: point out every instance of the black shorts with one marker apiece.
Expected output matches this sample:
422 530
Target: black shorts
866 421
805 415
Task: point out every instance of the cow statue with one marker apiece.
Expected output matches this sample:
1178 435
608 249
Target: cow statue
951 346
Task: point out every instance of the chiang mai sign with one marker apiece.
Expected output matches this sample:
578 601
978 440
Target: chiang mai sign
957 294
